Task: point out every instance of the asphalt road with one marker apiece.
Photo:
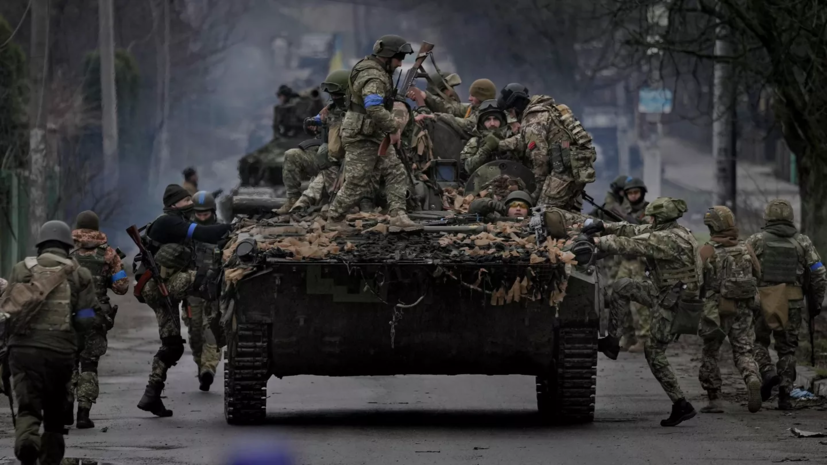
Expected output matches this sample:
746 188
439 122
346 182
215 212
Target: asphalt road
424 419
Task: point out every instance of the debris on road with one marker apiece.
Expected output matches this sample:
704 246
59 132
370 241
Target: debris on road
807 434
802 394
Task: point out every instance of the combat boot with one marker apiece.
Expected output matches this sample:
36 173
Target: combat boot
639 347
714 405
366 205
784 402
626 342
52 448
285 209
610 346
681 411
151 401
755 396
83 418
68 414
27 452
400 220
771 380
205 379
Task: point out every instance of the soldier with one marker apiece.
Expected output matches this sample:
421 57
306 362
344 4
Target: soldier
671 252
517 205
309 158
787 259
190 180
41 353
440 95
560 149
93 253
170 239
366 124
480 91
484 147
200 312
730 269
615 199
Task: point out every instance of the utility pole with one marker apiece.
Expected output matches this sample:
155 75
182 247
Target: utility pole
723 125
38 116
109 99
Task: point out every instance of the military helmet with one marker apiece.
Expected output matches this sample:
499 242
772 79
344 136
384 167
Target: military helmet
514 95
87 220
55 231
284 91
389 45
666 209
635 183
519 196
490 108
719 218
445 79
619 184
203 201
337 82
779 210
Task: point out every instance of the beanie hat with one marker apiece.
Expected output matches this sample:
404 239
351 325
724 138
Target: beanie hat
87 220
173 194
483 89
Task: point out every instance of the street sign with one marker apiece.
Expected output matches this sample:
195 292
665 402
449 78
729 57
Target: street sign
654 101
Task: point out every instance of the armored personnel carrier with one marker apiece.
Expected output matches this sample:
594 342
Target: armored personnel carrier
459 297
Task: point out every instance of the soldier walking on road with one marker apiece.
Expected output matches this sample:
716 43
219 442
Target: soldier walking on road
43 341
367 122
93 253
170 239
672 255
730 285
202 312
789 262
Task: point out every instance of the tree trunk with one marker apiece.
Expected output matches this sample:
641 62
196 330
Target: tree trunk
38 116
812 173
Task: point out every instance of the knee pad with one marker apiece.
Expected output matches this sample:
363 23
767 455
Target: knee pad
87 366
172 348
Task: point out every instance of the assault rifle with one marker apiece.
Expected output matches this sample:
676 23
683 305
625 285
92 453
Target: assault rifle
407 82
152 272
612 215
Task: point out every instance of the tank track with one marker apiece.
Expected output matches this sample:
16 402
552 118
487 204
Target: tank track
567 393
246 373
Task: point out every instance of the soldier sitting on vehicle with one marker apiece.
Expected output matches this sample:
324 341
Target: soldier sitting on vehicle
517 205
440 95
491 129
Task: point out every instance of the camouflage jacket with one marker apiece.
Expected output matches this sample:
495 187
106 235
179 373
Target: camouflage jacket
438 104
86 243
473 156
670 249
368 117
807 257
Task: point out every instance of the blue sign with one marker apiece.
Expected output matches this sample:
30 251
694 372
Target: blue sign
654 101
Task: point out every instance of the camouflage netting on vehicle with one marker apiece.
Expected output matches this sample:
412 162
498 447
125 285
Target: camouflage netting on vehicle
502 260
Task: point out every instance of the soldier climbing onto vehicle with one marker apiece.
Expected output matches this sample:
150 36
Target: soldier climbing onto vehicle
561 150
729 287
491 130
170 239
517 205
42 339
314 156
789 264
671 252
93 252
367 122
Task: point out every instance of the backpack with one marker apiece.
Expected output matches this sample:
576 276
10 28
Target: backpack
22 301
578 155
736 267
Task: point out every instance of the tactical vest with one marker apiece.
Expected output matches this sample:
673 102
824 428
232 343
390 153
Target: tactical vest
55 313
576 156
735 267
779 261
357 103
175 257
204 254
96 264
689 275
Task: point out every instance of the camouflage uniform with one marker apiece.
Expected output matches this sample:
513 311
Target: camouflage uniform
438 101
670 250
774 247
93 252
205 351
637 320
730 286
364 127
475 153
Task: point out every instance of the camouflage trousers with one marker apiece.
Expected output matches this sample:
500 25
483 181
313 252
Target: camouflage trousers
562 193
625 291
169 322
786 344
203 344
655 349
320 185
362 162
84 383
636 321
740 331
298 165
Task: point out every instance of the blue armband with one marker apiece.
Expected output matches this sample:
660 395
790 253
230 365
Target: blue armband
85 313
816 266
118 276
317 118
373 100
191 230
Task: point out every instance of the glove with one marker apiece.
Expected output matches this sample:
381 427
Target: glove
491 143
583 252
592 227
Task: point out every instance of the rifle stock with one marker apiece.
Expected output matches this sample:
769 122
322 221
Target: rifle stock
152 268
407 82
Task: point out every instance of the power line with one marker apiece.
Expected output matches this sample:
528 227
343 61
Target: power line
18 25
